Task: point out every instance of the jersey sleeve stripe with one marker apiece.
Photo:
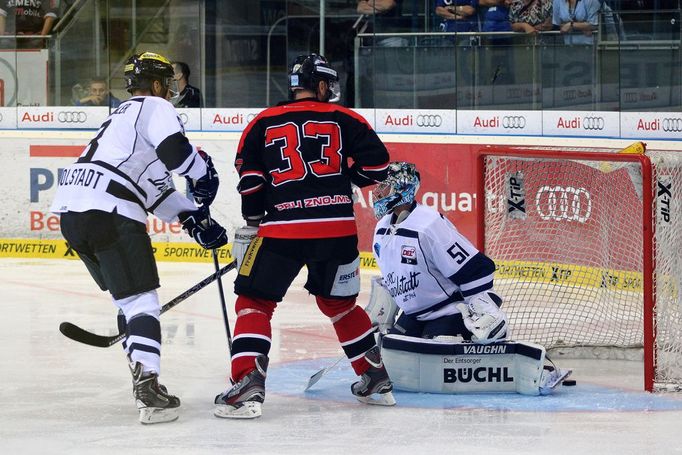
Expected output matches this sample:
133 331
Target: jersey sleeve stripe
160 200
251 190
381 167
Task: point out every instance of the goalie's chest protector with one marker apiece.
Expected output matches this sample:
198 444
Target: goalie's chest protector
414 268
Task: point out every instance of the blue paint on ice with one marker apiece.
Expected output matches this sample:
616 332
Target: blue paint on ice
292 377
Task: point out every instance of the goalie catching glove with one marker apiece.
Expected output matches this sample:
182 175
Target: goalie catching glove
242 239
202 228
484 318
204 189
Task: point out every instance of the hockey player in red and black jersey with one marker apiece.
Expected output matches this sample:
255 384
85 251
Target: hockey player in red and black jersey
296 163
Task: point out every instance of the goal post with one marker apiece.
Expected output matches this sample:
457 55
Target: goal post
588 249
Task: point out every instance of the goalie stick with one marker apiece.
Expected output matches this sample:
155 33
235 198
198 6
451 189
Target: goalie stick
83 336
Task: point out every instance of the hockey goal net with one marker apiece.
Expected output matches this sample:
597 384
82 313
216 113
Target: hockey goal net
588 250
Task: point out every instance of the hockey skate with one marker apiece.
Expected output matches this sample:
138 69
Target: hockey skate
374 386
153 401
551 377
245 398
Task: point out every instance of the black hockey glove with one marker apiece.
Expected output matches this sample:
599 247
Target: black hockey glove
202 228
204 190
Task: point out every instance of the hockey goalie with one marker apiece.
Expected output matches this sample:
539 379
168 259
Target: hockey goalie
445 330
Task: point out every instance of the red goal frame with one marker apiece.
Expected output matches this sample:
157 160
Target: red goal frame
648 228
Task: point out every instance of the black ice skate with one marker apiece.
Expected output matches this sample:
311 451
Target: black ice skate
374 386
153 401
244 399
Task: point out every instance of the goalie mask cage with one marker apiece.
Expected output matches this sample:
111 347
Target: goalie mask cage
587 248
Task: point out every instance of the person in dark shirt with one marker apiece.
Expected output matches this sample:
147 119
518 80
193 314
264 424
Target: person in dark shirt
296 163
98 95
35 18
189 96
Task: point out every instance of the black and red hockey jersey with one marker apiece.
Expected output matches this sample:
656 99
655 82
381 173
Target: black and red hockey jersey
296 162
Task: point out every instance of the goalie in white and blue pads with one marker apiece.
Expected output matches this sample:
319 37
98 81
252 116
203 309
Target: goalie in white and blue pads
450 331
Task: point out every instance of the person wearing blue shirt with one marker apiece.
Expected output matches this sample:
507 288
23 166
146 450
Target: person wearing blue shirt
458 15
576 19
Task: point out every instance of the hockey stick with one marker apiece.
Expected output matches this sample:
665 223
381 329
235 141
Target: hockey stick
83 336
222 300
317 376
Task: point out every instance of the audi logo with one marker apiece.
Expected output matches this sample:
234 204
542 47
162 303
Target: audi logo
672 125
593 123
429 120
183 118
559 203
514 122
250 117
72 117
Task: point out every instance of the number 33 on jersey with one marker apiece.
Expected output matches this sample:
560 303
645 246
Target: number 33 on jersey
299 154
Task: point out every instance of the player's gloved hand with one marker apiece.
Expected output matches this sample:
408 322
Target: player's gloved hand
202 228
204 189
483 318
242 240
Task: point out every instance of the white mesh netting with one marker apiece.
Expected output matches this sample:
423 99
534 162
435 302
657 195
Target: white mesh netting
567 235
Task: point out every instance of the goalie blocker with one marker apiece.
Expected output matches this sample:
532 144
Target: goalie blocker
434 366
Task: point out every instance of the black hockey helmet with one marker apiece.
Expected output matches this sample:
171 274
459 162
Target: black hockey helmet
308 70
142 69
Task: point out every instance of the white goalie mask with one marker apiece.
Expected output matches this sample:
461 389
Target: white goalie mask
400 187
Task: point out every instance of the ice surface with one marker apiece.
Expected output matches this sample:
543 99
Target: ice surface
58 396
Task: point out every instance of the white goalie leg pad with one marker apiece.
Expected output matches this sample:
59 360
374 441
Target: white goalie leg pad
381 308
483 318
440 366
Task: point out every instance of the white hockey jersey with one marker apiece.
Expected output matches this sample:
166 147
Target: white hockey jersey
427 265
127 166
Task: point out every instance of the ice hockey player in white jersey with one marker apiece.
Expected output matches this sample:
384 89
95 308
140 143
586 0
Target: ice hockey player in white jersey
104 199
450 333
443 284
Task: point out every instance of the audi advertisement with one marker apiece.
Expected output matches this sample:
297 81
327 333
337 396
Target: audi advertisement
624 125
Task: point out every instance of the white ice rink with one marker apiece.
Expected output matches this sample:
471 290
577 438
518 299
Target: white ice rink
61 397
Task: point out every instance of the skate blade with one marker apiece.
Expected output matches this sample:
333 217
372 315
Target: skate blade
379 399
158 415
248 410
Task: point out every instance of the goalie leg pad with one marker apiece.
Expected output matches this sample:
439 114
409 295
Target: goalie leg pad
437 366
381 308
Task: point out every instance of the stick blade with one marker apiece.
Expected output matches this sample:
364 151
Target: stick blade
83 336
314 378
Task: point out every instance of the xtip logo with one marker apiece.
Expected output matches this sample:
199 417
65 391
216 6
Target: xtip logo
664 196
516 196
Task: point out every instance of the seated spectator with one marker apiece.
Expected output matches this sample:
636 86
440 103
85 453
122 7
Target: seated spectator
98 95
28 18
189 96
458 15
530 16
576 19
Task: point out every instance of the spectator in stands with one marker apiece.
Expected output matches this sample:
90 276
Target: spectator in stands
98 95
576 19
496 18
458 15
190 96
530 16
384 16
28 18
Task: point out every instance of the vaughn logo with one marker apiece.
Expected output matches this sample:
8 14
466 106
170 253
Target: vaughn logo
485 349
481 374
408 255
